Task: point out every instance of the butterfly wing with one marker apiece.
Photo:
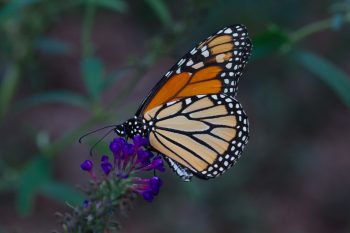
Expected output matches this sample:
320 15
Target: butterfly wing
208 139
184 173
205 134
213 66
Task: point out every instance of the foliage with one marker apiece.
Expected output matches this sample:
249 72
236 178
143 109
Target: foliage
24 25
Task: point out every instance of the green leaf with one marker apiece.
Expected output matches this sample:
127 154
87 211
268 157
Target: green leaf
36 173
337 21
53 46
161 10
117 5
43 140
332 76
269 41
62 96
114 76
62 192
93 73
8 88
8 177
12 7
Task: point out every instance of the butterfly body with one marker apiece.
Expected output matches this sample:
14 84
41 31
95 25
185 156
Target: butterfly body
133 126
192 116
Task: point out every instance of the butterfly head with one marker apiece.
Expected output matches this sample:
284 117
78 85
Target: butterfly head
120 130
131 127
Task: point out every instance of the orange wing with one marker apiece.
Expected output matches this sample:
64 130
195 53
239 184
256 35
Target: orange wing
212 67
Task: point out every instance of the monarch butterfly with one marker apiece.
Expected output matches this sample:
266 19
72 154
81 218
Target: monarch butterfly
191 116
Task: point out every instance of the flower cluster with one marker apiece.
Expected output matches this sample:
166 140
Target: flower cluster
129 160
115 182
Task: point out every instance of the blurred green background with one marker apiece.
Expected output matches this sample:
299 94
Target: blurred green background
70 66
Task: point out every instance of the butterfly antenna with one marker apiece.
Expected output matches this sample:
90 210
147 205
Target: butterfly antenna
94 131
99 140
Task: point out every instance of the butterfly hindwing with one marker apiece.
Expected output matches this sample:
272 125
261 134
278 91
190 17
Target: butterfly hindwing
205 133
212 67
184 173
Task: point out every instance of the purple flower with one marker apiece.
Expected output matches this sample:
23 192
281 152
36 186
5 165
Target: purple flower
104 159
86 204
106 167
144 156
140 141
116 145
129 160
148 195
156 164
147 188
155 183
87 165
128 150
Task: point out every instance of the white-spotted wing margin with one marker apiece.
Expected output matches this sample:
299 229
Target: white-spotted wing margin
184 173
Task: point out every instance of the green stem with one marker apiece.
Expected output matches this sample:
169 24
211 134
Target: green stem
315 27
89 14
8 87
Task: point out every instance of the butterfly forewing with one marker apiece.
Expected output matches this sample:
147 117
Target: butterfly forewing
212 67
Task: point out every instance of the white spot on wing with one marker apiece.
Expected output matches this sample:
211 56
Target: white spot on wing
189 63
205 53
198 65
193 51
220 58
181 62
228 30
